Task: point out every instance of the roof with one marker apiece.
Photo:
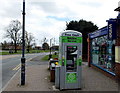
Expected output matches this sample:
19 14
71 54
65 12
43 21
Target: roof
70 31
99 32
117 9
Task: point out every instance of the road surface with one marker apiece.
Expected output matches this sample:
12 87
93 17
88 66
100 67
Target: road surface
11 64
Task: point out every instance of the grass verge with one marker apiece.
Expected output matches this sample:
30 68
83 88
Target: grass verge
20 52
45 58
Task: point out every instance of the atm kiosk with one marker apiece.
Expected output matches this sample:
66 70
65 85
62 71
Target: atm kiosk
68 74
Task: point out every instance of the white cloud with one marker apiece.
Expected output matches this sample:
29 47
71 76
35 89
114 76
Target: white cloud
46 18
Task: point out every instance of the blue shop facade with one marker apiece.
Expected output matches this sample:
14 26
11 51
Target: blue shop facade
101 52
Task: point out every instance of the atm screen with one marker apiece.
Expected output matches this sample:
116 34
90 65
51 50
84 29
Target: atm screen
71 49
71 57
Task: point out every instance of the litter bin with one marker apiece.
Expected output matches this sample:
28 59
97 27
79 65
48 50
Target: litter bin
52 61
57 76
52 72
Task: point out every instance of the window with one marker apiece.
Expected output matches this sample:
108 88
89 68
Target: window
103 53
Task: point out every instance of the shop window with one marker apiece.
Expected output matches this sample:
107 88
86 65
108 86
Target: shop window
103 53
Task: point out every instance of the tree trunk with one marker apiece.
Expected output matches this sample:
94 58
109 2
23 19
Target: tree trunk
15 42
15 47
28 49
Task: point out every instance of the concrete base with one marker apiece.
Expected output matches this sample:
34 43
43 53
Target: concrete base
117 70
104 72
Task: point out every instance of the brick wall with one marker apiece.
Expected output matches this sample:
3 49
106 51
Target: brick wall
118 35
117 65
88 40
117 70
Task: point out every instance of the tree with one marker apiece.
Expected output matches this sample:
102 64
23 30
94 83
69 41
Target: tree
29 38
4 45
84 27
45 46
12 32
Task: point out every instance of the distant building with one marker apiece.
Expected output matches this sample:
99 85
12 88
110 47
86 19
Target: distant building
8 46
38 47
55 47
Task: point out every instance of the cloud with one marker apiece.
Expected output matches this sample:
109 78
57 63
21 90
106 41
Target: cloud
91 4
46 18
46 27
11 9
49 7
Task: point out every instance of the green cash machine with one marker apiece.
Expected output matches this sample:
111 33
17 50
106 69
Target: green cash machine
68 74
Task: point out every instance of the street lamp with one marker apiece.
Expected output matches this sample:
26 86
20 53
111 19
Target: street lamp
23 48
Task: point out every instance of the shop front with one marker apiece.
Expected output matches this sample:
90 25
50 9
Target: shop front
103 50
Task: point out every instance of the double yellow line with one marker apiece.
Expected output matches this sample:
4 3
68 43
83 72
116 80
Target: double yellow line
17 67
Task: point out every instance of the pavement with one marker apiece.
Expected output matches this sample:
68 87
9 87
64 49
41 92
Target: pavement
38 79
11 64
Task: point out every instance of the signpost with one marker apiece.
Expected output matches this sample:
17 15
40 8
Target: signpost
23 48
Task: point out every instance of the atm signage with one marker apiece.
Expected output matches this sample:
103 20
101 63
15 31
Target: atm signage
100 32
112 25
70 39
72 34
110 31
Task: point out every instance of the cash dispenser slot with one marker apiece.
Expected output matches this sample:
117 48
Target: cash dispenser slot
71 58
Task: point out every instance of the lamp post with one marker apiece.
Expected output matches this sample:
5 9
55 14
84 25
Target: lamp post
23 48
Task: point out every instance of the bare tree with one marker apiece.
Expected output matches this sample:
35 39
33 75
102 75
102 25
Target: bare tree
19 38
29 40
12 32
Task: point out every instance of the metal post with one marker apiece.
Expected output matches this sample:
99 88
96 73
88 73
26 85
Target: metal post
50 46
50 55
23 48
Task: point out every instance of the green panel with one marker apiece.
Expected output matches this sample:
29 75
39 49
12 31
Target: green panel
65 62
60 62
71 78
70 39
79 62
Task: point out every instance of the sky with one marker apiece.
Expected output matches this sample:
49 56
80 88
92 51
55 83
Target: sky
47 18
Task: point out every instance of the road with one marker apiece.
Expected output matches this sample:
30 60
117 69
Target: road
11 64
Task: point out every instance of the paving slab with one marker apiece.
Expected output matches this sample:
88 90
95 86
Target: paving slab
94 80
37 79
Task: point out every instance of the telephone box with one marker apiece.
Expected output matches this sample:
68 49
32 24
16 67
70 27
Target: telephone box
68 74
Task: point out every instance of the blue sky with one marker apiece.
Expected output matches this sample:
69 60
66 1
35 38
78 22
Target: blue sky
47 18
58 18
